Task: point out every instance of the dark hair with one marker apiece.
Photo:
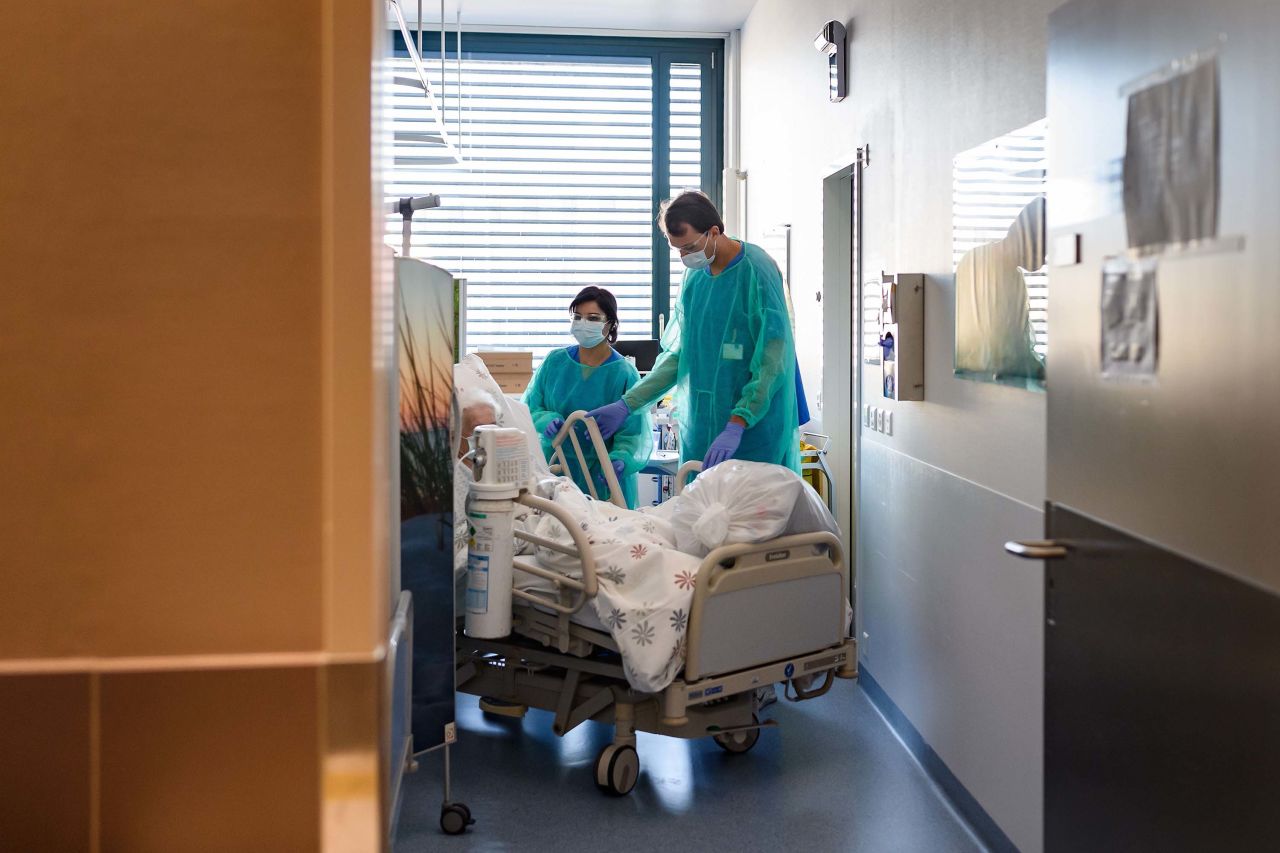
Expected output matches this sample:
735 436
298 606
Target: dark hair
691 208
608 304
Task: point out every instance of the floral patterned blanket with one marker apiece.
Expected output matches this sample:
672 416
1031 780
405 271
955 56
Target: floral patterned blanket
645 584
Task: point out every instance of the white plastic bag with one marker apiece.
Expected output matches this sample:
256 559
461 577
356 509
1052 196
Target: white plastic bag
743 502
731 503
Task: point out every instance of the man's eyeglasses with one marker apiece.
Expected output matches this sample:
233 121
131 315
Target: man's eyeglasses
691 245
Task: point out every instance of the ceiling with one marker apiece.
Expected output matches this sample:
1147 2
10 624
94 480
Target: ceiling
690 16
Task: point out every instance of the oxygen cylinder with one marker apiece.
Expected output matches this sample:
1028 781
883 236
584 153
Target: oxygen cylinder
501 470
491 549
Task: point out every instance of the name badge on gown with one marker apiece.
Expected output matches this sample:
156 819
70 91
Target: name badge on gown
731 352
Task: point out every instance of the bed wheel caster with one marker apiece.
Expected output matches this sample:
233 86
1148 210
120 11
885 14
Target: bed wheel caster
617 769
455 818
739 742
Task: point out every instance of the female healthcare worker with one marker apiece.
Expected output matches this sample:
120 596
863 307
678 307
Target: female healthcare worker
584 376
728 349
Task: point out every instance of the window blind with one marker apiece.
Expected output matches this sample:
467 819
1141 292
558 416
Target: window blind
556 194
570 143
685 145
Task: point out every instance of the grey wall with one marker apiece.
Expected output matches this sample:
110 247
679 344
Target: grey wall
954 626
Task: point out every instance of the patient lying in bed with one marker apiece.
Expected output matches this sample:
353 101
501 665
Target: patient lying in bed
478 400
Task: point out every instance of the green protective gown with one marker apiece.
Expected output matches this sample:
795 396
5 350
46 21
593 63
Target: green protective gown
728 350
563 386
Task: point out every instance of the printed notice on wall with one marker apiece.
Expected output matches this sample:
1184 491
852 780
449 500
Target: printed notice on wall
1130 319
1171 164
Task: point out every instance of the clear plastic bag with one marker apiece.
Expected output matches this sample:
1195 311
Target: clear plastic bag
810 515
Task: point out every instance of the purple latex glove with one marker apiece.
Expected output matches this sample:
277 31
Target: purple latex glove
725 445
610 418
618 465
553 428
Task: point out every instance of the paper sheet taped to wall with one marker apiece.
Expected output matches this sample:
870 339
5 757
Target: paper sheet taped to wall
1171 162
1130 318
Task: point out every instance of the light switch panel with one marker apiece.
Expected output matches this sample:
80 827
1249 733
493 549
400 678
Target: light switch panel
1064 250
888 423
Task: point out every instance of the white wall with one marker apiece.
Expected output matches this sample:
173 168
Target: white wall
955 626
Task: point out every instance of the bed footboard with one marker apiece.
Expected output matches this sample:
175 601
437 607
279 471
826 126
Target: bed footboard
758 604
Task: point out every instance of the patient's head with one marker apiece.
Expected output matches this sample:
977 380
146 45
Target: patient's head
474 414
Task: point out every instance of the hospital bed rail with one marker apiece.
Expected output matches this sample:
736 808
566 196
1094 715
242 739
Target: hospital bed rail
560 462
585 588
397 698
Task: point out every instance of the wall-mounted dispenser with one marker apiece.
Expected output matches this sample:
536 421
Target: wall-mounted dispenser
831 42
902 336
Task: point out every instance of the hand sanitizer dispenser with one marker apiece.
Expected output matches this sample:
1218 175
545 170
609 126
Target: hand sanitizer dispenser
902 336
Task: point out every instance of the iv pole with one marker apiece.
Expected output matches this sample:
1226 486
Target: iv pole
405 207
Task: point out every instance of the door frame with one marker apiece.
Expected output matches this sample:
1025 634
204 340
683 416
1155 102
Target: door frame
841 280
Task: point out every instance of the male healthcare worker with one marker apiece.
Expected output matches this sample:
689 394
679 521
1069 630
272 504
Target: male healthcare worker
583 377
728 349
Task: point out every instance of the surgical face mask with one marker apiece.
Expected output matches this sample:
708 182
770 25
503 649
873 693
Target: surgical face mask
588 333
699 260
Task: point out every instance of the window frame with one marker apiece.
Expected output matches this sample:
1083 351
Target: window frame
662 54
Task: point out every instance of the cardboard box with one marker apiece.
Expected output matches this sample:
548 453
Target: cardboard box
513 383
507 362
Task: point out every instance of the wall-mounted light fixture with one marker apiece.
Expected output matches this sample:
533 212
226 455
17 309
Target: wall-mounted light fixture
831 41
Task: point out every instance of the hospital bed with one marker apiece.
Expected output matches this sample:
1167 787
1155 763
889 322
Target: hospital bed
765 613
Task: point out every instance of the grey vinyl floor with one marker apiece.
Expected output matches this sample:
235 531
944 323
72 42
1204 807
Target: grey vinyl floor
831 777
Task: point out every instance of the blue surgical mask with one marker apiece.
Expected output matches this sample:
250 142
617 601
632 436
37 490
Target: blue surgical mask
588 333
699 260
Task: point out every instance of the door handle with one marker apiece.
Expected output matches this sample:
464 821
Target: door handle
1036 549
